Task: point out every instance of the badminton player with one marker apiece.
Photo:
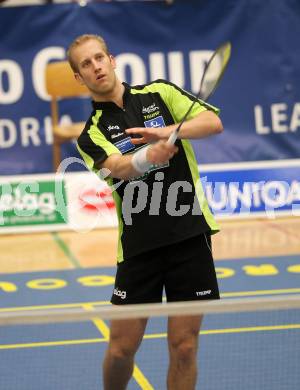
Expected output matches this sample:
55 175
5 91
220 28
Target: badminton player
165 224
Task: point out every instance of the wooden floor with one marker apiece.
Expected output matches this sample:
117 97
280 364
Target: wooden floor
67 250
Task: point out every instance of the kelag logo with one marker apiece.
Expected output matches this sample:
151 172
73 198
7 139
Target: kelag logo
31 203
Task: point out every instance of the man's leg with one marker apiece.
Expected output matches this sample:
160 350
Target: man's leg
183 335
125 338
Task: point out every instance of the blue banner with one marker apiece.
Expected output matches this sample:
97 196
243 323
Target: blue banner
259 95
265 189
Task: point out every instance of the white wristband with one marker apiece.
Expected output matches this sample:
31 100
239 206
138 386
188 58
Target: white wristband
172 138
139 160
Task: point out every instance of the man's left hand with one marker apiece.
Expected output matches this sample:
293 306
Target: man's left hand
148 135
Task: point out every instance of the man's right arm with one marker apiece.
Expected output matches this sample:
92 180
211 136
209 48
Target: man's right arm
125 166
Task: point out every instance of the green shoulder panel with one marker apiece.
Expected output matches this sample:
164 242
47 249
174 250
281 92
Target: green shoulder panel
118 204
89 161
98 138
189 152
177 100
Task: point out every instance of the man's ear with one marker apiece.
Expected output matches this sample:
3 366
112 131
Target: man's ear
113 61
78 78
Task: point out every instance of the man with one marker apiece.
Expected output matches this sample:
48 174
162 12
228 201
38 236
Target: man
164 221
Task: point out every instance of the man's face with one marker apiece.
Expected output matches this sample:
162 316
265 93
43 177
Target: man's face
95 67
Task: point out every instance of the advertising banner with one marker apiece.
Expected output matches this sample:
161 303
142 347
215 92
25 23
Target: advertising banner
242 190
80 201
259 96
31 203
77 201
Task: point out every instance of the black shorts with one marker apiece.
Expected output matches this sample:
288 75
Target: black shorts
184 269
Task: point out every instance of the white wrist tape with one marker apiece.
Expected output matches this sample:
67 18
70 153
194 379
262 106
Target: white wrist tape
172 138
139 160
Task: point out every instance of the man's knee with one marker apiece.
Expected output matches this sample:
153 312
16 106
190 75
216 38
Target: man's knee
184 351
121 351
125 338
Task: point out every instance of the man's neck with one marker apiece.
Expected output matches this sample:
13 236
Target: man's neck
115 96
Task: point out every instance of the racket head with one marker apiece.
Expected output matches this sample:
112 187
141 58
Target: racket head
211 77
214 70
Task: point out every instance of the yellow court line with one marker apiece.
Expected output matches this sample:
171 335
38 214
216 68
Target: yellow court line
101 303
233 330
260 292
100 324
251 329
52 343
256 258
104 329
139 377
56 306
148 336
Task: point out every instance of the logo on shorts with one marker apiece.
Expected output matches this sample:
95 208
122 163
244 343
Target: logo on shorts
202 293
120 293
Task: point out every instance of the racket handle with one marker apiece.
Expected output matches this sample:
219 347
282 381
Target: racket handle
172 138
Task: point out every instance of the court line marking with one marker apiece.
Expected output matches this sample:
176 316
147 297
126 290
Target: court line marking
102 303
64 247
137 374
54 306
260 292
263 328
290 256
52 343
250 329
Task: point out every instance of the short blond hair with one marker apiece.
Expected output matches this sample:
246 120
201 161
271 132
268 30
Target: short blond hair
78 41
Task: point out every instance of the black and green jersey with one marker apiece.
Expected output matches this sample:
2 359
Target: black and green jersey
167 203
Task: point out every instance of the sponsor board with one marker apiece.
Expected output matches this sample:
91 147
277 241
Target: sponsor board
31 202
90 202
80 201
265 188
48 202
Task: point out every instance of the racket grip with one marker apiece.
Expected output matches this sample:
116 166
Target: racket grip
172 138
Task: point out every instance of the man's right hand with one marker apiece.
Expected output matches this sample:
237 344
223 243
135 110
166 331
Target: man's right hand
121 167
161 152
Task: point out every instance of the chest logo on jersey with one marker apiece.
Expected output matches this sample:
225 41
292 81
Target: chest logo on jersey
116 135
149 109
155 122
111 127
124 145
